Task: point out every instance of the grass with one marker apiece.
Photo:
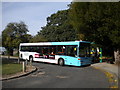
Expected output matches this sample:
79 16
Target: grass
10 67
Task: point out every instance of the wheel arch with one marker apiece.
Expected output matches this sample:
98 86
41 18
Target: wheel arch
60 58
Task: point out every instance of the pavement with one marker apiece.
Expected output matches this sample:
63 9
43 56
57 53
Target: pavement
111 71
108 67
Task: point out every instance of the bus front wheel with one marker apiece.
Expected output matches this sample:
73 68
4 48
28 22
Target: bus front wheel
61 62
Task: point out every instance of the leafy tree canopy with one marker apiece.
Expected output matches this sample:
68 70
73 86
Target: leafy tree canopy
14 34
38 38
98 22
58 27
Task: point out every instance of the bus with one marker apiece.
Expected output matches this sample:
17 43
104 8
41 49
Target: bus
76 53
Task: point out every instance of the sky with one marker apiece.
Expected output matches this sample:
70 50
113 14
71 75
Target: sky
33 14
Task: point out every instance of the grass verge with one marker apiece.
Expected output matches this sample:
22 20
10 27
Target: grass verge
8 69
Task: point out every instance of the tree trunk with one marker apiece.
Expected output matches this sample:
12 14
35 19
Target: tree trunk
117 56
11 52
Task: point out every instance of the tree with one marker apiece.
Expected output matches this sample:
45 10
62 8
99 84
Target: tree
13 35
97 22
38 38
58 27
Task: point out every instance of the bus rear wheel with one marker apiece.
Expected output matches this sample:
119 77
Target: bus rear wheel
61 62
31 58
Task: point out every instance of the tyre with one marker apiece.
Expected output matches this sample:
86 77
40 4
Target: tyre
21 56
31 58
61 62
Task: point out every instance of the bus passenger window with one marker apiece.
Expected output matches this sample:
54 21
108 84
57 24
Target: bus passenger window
52 50
39 50
45 50
72 51
61 50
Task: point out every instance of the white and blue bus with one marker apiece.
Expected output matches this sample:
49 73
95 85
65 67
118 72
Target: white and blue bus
76 53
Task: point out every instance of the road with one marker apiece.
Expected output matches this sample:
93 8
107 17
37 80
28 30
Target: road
55 76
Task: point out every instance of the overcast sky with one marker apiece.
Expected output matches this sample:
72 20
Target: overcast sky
34 14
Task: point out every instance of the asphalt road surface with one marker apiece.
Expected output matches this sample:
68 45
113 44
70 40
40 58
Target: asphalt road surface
55 76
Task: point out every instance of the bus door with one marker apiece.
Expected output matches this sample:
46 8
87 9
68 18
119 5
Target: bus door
71 55
84 53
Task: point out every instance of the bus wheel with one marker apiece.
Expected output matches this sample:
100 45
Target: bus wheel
61 62
31 58
21 56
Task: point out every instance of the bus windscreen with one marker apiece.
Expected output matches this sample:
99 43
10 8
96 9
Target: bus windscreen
84 49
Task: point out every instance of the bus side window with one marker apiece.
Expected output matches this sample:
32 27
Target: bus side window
31 49
22 48
39 50
61 50
52 50
26 49
71 51
45 50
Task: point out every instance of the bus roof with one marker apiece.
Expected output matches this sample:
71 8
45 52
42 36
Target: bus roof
53 43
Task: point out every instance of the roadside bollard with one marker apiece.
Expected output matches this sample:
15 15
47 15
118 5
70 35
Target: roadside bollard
18 60
30 63
23 66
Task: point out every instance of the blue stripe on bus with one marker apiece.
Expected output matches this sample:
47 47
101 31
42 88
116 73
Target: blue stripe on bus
65 43
68 43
